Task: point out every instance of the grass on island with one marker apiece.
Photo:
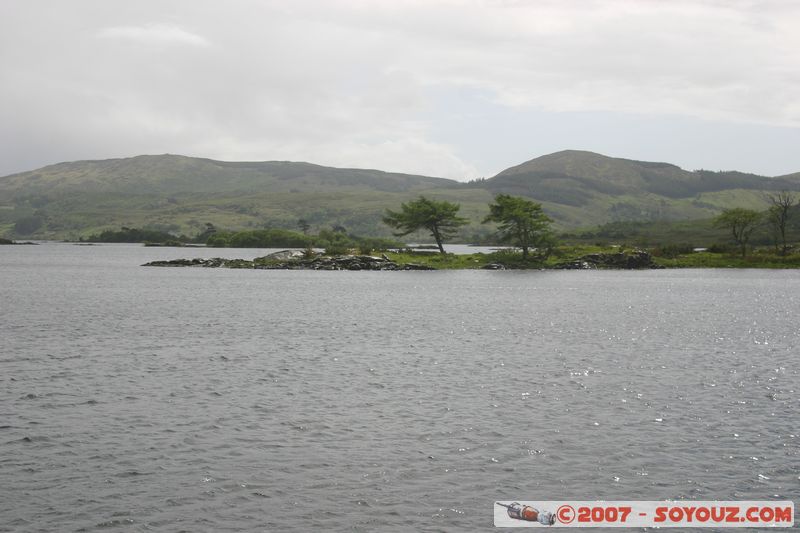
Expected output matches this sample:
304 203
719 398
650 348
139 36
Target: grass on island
755 259
507 258
759 258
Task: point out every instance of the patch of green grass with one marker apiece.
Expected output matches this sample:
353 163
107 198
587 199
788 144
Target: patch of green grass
441 261
758 259
509 259
761 258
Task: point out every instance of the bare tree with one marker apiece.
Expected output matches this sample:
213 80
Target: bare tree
778 215
741 222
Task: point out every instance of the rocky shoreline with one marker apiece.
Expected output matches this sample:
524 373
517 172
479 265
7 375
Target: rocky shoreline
294 260
15 243
635 260
297 260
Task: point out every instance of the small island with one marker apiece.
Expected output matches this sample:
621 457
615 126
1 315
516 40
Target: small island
414 260
520 223
10 242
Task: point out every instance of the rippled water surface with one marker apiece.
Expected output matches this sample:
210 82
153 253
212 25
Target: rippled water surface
141 399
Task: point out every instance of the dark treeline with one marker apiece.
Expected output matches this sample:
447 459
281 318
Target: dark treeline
333 241
773 228
126 234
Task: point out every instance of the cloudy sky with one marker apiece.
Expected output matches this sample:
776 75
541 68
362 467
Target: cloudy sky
453 88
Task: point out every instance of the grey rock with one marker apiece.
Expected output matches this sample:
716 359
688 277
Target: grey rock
296 262
415 266
635 260
283 255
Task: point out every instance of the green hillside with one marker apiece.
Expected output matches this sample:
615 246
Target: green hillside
169 174
585 189
181 194
576 178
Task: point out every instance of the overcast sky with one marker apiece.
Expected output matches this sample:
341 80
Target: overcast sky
452 88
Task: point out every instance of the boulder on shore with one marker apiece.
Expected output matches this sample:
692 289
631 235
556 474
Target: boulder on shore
635 260
283 255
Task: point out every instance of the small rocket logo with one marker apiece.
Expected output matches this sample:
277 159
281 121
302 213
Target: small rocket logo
529 514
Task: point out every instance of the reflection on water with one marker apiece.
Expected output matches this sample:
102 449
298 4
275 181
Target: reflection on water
223 400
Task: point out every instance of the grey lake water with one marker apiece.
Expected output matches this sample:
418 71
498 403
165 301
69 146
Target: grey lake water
188 399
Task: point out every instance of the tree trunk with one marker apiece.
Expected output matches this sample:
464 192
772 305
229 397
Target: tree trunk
524 242
438 239
783 240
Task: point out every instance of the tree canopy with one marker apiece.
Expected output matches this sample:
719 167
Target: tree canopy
741 223
521 222
440 218
778 216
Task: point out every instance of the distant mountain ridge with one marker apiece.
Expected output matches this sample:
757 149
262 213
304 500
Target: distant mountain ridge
175 173
572 177
181 194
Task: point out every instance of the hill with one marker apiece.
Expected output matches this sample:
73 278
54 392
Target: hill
571 176
169 174
585 188
181 194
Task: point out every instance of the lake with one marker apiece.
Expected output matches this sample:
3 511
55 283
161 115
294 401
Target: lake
189 399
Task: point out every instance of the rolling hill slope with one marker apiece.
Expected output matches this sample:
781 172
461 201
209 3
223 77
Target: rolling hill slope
584 188
572 177
168 174
181 194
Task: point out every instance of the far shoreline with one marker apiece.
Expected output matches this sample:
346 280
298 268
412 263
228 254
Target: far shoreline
491 257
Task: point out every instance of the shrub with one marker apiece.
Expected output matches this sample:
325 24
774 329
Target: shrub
720 248
671 251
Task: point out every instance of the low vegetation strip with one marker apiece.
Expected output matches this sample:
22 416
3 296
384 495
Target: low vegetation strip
288 260
297 260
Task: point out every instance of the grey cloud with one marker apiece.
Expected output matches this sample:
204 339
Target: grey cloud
356 83
154 34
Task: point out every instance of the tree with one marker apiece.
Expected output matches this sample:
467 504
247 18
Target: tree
520 221
440 218
210 229
741 223
304 226
778 215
